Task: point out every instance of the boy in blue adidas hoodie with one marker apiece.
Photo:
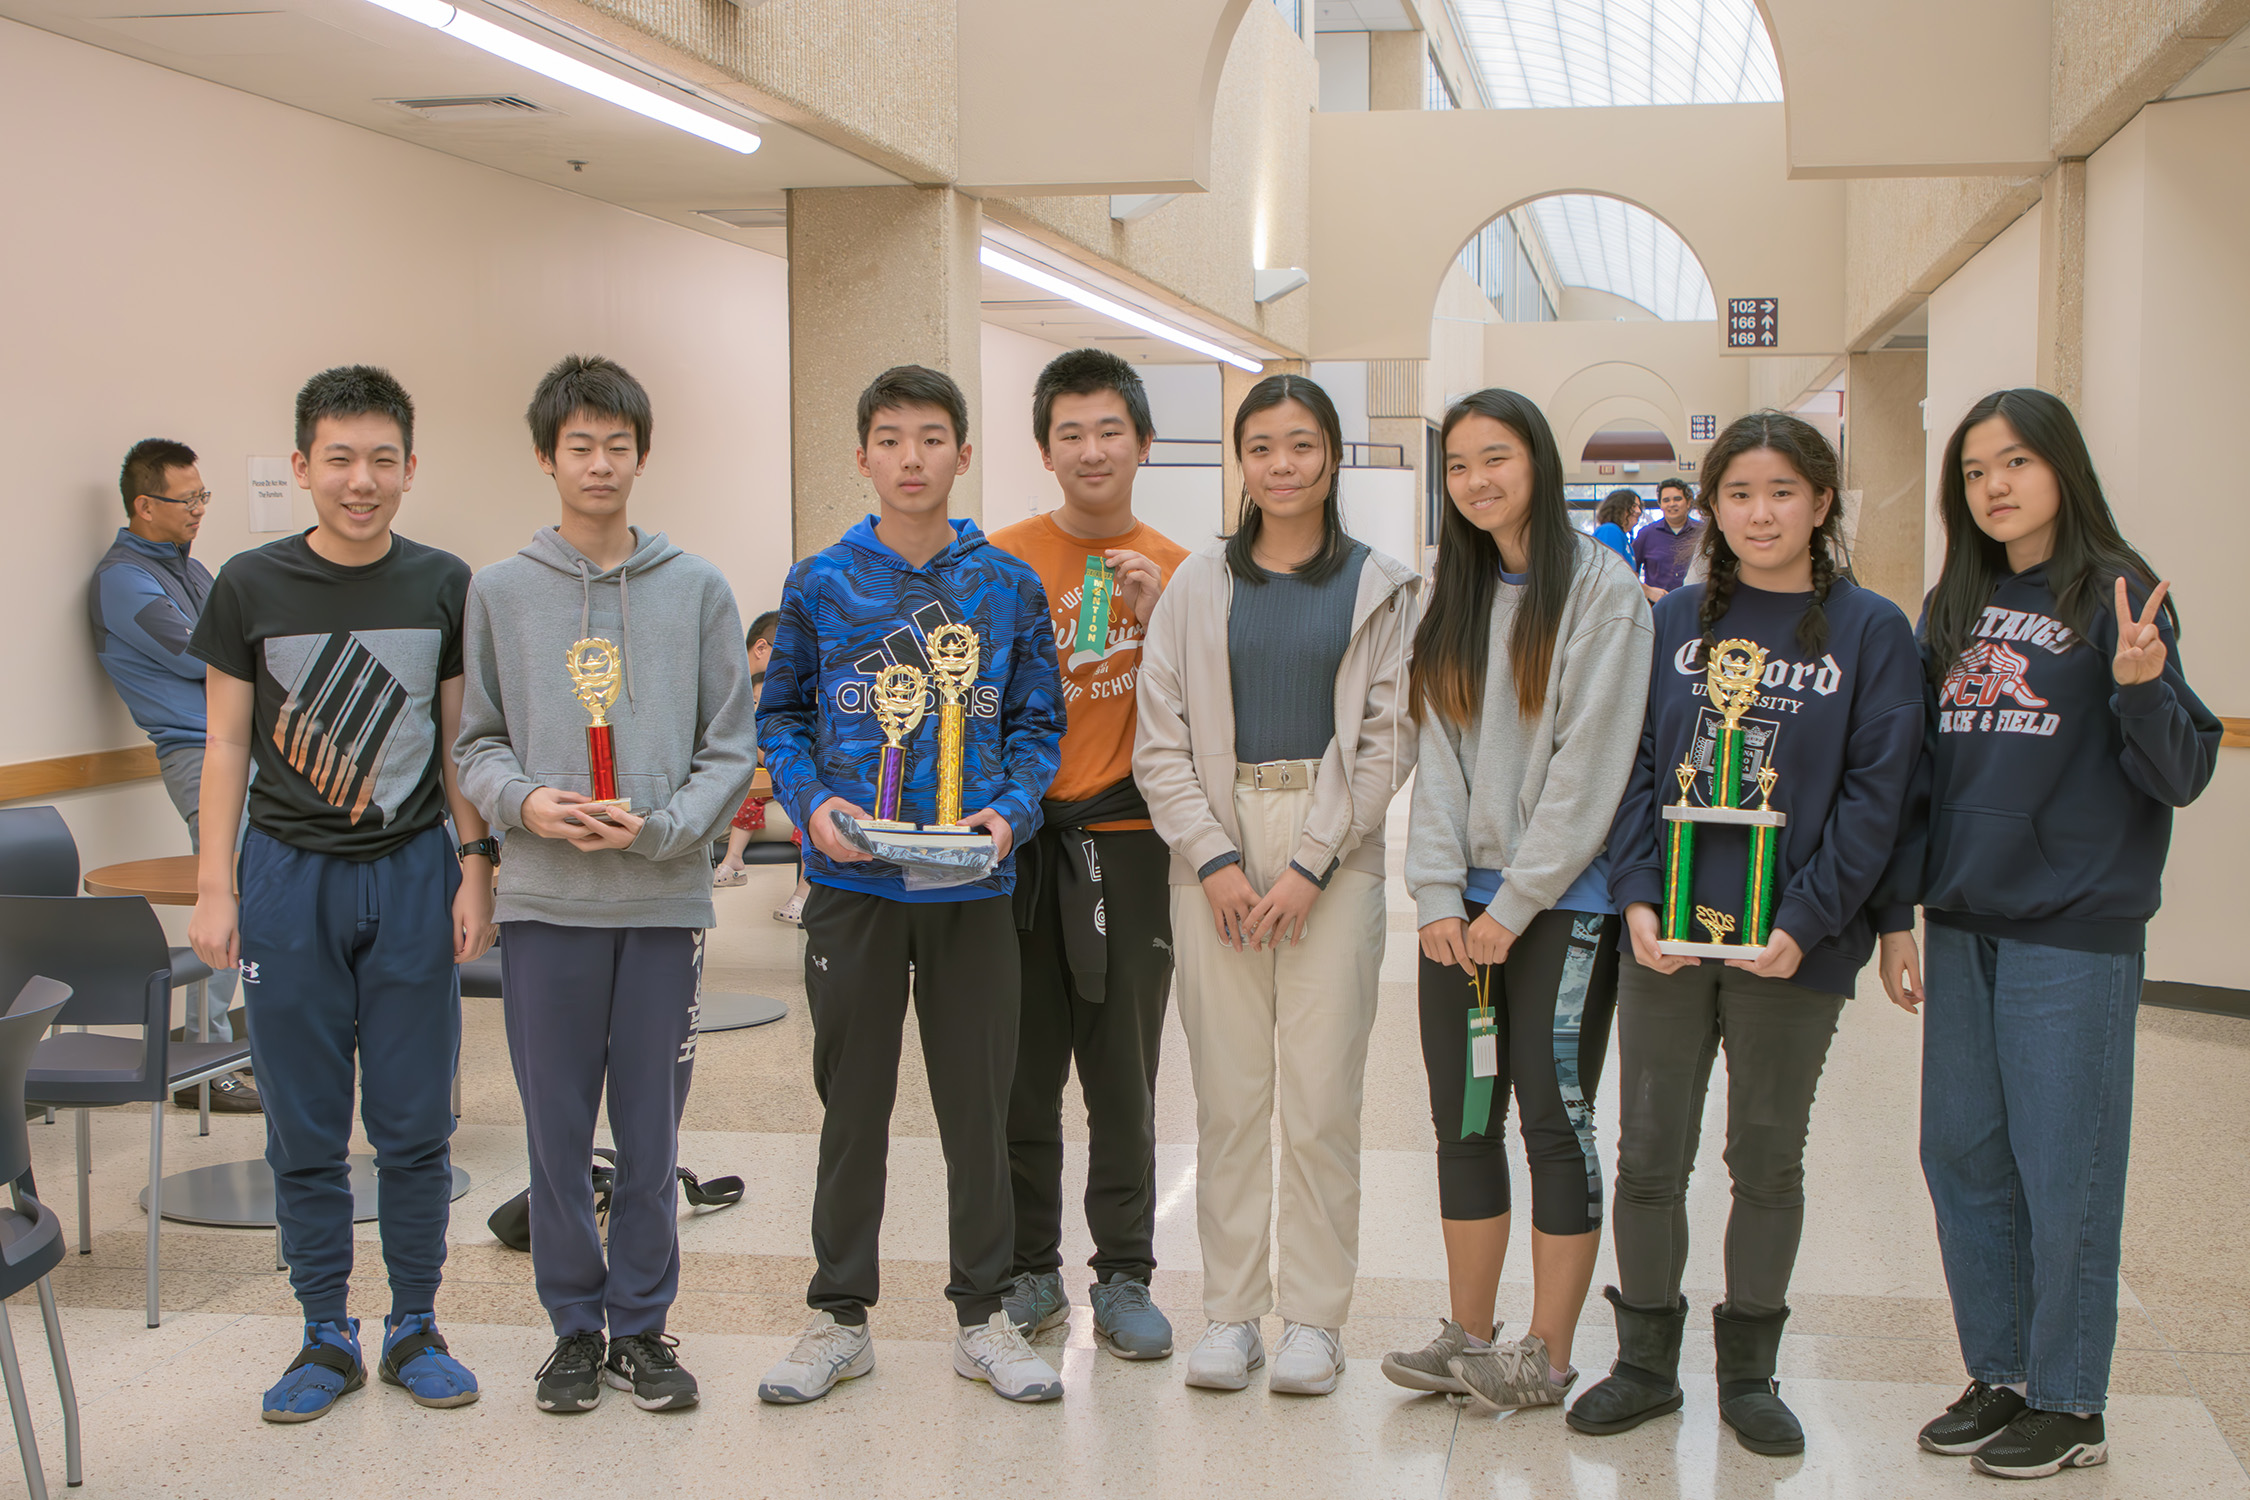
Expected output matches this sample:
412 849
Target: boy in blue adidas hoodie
867 602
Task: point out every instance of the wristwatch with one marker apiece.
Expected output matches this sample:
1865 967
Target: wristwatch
488 847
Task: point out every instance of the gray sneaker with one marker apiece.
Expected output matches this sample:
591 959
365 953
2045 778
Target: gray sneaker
1037 1302
1430 1368
1126 1322
1507 1376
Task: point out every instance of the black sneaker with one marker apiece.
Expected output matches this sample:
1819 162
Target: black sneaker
644 1364
1974 1420
571 1379
231 1094
2039 1443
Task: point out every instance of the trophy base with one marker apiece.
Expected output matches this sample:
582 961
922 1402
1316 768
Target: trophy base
1711 950
600 811
889 825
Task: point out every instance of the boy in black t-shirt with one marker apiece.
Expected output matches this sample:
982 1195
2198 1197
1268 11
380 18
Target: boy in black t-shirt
335 663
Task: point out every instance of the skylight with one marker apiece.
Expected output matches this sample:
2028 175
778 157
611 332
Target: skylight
1618 248
1552 53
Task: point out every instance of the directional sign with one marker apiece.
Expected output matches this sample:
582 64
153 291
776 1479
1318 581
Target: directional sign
1753 322
1702 428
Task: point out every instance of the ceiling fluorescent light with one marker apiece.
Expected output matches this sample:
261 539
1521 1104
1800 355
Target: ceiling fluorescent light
1024 270
569 71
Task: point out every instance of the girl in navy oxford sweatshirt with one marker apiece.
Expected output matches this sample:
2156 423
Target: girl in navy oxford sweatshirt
2065 734
1838 717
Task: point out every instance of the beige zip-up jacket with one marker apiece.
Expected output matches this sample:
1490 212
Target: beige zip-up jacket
1183 756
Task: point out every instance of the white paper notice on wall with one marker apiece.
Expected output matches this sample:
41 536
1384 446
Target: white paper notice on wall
270 486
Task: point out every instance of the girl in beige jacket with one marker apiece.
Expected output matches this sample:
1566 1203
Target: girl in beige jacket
1273 734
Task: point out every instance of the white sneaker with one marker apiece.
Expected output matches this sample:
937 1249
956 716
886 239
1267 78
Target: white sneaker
1309 1362
1224 1358
996 1354
827 1351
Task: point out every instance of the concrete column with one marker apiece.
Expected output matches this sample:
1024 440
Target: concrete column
878 276
2062 280
1884 462
1395 60
1234 384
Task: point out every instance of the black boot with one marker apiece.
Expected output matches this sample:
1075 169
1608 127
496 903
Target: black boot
1749 1396
1645 1381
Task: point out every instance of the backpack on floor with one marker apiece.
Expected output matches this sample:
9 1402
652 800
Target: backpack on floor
511 1221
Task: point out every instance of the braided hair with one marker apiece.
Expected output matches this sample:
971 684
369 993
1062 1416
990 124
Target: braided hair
1800 445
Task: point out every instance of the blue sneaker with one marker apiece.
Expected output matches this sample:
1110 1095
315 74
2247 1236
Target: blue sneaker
1126 1322
326 1368
415 1358
1036 1302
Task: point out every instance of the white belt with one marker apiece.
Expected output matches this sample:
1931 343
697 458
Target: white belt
1276 775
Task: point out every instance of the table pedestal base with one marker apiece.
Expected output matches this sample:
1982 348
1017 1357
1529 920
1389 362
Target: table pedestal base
726 1011
239 1194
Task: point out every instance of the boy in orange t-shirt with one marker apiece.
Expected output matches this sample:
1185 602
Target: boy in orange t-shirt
1093 913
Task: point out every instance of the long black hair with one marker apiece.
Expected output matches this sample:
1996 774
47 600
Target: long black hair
1452 645
2089 552
1800 444
1334 546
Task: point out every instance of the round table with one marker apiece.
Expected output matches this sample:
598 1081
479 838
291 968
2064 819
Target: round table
235 1194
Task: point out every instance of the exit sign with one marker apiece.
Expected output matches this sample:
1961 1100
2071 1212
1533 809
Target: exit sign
1753 322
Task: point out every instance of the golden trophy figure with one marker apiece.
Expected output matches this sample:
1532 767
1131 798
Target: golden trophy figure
594 680
1731 678
899 699
954 654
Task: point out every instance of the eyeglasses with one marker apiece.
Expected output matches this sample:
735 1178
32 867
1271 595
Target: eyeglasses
200 500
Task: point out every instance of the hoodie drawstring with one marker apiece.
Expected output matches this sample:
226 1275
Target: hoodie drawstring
624 615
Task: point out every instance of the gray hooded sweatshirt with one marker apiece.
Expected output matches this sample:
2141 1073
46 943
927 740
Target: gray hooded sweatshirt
683 733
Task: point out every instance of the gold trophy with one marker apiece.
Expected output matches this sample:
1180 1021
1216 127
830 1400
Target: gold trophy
1731 678
953 662
898 698
594 679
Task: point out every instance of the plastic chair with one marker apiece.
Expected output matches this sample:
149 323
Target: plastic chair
31 1235
111 952
39 857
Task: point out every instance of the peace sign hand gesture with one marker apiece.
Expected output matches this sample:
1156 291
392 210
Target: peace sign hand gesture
2140 648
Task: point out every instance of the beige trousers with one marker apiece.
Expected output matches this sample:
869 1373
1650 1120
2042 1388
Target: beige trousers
1288 1025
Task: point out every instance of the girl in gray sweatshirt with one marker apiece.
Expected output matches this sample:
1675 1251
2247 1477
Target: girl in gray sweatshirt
1530 676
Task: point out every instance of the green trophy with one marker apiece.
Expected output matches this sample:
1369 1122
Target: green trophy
1732 679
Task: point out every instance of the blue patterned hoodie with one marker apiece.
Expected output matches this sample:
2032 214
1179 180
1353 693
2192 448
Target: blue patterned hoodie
857 607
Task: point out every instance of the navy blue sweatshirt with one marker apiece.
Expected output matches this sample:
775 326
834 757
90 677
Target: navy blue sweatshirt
2053 787
1844 733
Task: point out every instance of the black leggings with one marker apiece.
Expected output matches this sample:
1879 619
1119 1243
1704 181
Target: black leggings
1552 1000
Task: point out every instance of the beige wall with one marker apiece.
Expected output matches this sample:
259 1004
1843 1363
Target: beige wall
198 252
1984 337
2167 317
1016 481
1586 375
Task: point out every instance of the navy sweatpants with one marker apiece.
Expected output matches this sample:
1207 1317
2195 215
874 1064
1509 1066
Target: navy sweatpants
339 958
587 1005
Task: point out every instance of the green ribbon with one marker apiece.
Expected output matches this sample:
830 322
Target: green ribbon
1476 1091
1093 609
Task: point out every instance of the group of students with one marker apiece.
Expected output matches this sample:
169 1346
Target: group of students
1185 762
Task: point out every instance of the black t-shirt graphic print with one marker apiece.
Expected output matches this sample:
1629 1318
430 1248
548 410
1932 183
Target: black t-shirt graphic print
346 664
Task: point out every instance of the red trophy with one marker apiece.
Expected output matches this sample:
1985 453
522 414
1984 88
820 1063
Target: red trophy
594 681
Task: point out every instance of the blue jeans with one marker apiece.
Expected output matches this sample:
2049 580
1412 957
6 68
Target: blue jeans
2027 1119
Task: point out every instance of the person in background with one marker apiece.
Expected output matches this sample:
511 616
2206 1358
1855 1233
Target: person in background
2065 733
1093 894
1663 549
147 595
1530 675
1273 736
604 913
762 820
1614 520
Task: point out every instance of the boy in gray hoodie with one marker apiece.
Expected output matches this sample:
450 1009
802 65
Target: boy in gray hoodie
602 913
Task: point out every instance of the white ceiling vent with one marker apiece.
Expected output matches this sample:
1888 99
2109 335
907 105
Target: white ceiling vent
451 108
748 218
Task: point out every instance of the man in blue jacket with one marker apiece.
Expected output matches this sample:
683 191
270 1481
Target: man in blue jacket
146 597
868 602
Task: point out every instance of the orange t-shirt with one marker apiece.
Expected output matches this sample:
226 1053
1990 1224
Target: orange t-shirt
1097 687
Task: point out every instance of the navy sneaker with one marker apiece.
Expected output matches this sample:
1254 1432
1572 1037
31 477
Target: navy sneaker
326 1369
1036 1302
1126 1322
644 1366
416 1360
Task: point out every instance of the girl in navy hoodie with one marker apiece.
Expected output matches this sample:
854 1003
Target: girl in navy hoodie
1837 719
2065 734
